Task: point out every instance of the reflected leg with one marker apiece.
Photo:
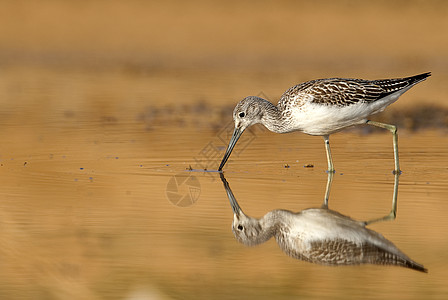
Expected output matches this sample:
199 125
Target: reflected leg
393 213
329 158
393 129
327 190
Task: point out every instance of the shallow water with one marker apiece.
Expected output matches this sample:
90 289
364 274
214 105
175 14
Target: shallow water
93 206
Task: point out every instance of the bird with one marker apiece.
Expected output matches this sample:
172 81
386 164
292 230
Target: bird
318 235
321 107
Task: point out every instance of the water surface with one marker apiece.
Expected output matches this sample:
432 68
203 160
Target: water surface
87 198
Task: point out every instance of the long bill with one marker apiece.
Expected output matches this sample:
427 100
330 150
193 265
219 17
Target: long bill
233 203
235 136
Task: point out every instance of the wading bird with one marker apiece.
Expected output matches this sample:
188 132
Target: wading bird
322 107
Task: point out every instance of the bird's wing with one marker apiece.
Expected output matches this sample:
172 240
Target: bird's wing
343 252
335 252
343 92
336 91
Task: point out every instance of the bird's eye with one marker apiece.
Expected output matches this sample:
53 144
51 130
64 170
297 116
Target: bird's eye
240 227
242 114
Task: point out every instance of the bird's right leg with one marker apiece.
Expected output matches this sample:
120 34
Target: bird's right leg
329 159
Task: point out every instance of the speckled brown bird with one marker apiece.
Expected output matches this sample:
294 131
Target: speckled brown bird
322 107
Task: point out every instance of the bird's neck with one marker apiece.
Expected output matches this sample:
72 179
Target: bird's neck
267 228
272 117
272 221
270 225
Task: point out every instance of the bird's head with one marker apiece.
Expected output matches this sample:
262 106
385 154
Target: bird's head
247 112
247 230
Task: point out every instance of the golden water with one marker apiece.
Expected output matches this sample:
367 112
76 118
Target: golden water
87 179
106 105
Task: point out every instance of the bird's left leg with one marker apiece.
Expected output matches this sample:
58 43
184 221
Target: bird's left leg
393 129
327 190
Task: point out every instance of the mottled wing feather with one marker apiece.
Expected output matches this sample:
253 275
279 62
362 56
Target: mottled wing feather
340 92
343 92
343 252
335 252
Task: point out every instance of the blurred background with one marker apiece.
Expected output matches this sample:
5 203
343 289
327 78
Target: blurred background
103 102
208 52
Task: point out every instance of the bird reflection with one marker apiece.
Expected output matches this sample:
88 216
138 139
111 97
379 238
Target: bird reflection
319 235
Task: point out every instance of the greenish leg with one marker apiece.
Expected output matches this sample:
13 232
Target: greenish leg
329 159
327 190
393 213
393 129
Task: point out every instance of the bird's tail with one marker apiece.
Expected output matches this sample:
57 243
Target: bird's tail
417 78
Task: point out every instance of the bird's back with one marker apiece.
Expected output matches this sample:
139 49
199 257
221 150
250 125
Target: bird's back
346 91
